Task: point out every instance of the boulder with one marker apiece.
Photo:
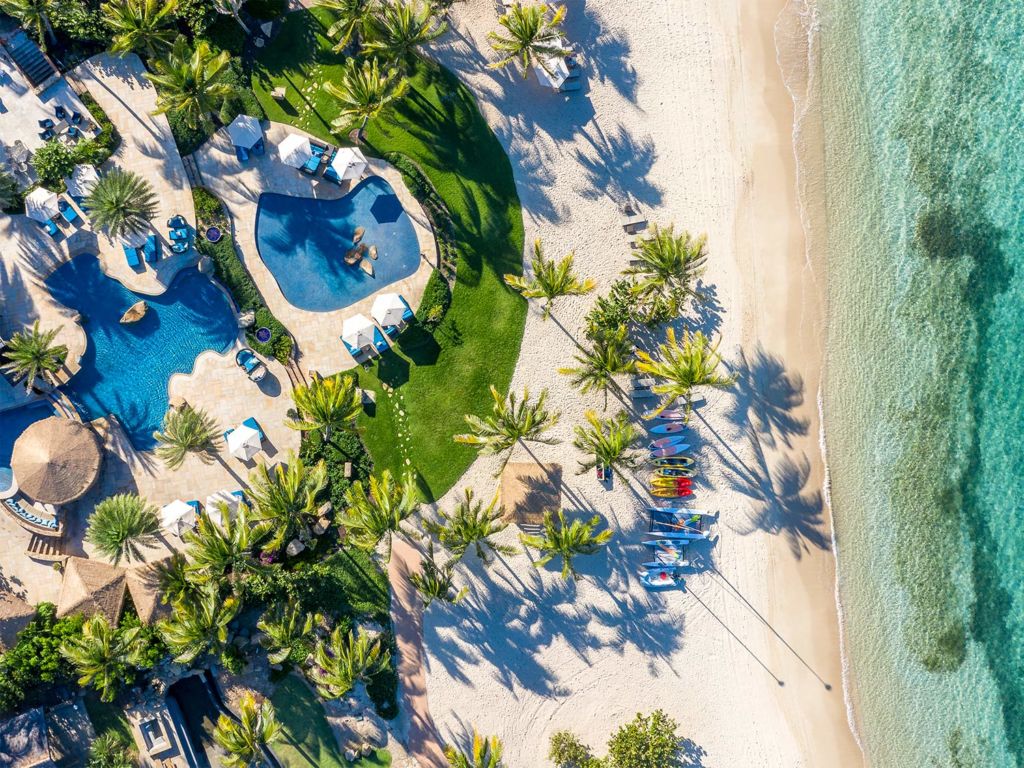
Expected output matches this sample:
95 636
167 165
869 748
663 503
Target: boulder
135 312
294 547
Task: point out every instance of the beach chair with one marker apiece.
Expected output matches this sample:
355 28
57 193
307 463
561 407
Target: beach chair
180 247
46 135
151 249
50 227
379 342
241 154
177 222
179 234
47 123
253 424
67 212
354 351
392 331
408 316
571 85
259 148
131 255
76 118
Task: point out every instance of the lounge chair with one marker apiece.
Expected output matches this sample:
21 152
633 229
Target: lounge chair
50 227
47 123
379 342
73 132
259 148
67 212
331 175
392 331
241 154
76 118
253 424
240 495
60 112
179 234
571 85
354 351
131 255
151 249
408 316
177 222
46 135
180 247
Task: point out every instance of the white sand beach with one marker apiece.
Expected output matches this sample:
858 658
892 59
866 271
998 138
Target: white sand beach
684 109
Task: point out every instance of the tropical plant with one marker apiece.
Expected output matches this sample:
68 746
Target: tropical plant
288 632
121 525
347 659
665 271
53 162
191 82
112 750
531 37
485 752
471 524
609 354
567 751
224 552
511 421
436 582
379 513
199 626
325 405
550 281
615 310
350 18
396 30
232 8
287 497
684 365
31 356
10 191
648 741
34 15
187 430
363 91
566 541
244 740
103 655
122 202
176 581
608 443
143 26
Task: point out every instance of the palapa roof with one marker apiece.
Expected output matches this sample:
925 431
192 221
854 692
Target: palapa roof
23 741
15 615
529 489
56 460
144 586
91 587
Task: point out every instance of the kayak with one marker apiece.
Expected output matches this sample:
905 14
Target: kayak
682 512
671 493
661 578
669 414
661 559
675 472
673 461
666 545
664 442
671 450
671 482
668 428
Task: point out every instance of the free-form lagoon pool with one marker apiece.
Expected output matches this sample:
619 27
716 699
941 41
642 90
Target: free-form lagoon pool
303 242
126 367
14 421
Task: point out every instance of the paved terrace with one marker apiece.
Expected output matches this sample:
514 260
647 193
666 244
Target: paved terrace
239 186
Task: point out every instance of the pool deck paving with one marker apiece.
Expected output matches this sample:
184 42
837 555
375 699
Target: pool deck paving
239 186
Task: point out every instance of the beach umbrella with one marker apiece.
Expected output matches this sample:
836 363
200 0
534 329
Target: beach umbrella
388 309
245 131
348 163
244 442
215 502
294 150
82 180
357 331
177 517
558 75
41 204
56 460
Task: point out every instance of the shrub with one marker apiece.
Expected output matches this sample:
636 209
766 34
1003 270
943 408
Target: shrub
112 750
343 447
383 686
245 101
611 312
53 161
89 152
35 663
11 198
208 208
197 15
108 137
567 751
437 297
152 649
225 34
440 218
188 138
648 741
232 659
280 345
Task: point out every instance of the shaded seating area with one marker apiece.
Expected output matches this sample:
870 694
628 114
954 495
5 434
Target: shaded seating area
247 360
56 460
361 337
246 136
392 312
179 516
42 205
245 440
345 164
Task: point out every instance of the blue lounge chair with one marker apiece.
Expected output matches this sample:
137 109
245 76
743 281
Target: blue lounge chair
177 222
331 175
131 255
241 154
76 118
50 227
196 506
60 112
253 424
354 351
379 342
179 247
73 132
312 164
151 250
259 148
69 213
240 496
47 123
179 234
80 202
391 331
46 135
408 315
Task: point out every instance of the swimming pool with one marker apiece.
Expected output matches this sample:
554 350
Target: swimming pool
303 241
126 367
14 421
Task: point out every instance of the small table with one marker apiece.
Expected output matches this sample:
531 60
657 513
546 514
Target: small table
278 93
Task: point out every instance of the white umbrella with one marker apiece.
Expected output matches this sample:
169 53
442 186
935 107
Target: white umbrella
294 150
348 163
357 331
388 309
177 517
221 500
559 72
41 205
82 180
244 442
245 131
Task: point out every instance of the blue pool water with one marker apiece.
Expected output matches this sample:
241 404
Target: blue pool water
303 241
126 368
15 421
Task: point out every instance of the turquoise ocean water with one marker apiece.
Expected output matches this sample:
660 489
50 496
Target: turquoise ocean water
922 106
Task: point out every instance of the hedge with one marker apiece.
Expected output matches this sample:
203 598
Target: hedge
108 137
437 297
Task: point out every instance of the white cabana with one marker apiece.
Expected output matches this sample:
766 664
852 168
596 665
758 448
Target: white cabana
357 331
245 131
388 309
244 442
348 163
41 205
221 500
558 75
82 180
294 150
177 517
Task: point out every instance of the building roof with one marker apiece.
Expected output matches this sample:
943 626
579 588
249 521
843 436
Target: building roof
529 489
144 586
90 587
23 741
56 460
15 615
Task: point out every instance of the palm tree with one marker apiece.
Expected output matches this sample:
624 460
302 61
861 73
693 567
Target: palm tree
551 280
224 552
484 753
471 524
363 91
102 655
10 194
379 513
187 430
191 83
32 356
511 421
530 37
245 740
693 362
112 750
287 498
326 405
609 354
199 626
122 202
350 17
346 660
177 583
232 8
144 26
33 15
608 441
121 525
288 632
666 271
566 541
436 582
396 30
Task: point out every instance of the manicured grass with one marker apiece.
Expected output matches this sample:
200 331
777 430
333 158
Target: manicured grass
433 379
307 739
108 718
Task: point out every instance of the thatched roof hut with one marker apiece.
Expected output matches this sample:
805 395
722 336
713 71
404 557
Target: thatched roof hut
144 587
23 741
56 460
91 587
529 489
15 615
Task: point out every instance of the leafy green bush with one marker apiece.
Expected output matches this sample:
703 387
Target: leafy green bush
226 34
434 206
35 664
232 659
52 162
188 138
197 15
437 297
11 198
244 101
112 750
383 686
152 649
280 345
209 210
343 447
567 751
611 312
648 741
108 137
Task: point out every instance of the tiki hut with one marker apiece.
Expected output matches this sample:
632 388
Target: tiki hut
56 460
24 742
91 587
15 615
143 583
528 490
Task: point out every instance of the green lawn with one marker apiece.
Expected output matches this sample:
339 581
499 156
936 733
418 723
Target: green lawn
307 739
433 379
107 718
